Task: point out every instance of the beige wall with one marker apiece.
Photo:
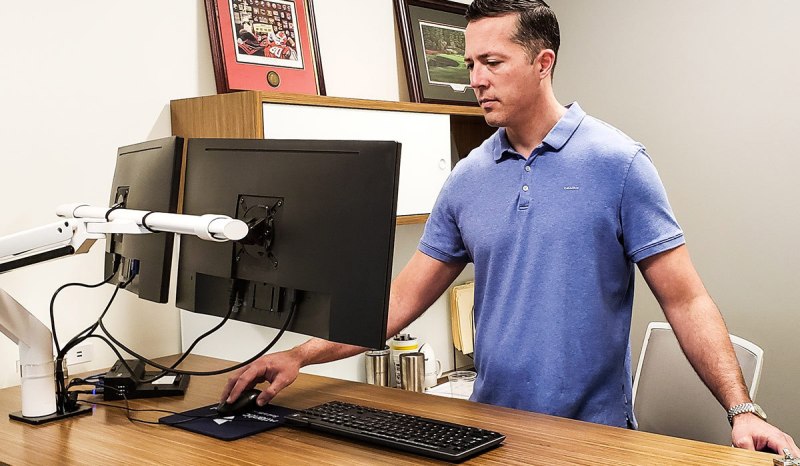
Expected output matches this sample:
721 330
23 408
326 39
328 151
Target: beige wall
711 89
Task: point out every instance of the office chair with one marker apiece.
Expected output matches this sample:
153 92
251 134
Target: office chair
668 396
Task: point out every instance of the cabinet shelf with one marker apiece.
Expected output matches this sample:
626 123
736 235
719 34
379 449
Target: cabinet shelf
246 115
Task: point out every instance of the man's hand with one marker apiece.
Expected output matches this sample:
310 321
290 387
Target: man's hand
753 433
279 369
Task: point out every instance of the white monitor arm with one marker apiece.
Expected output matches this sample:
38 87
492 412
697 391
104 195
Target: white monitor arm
81 227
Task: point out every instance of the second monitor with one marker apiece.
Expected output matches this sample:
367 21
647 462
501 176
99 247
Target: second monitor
322 219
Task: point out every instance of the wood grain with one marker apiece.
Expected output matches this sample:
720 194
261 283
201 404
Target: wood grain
411 219
107 437
240 115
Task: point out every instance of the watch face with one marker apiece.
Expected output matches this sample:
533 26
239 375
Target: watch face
759 412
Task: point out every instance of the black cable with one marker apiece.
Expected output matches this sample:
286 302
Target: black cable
232 305
77 339
61 288
145 225
100 375
61 390
127 407
188 417
62 399
204 373
112 209
129 410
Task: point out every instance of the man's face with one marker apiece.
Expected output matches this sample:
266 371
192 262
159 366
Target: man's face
501 73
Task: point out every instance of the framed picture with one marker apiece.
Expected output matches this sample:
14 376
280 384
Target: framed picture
265 45
432 36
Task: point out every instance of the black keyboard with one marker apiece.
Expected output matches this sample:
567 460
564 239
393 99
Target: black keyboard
428 437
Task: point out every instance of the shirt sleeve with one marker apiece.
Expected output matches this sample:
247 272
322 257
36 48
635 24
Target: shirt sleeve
648 223
442 239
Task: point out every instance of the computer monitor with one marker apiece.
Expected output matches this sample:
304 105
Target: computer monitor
146 177
322 219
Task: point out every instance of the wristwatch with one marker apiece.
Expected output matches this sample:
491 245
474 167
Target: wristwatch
746 408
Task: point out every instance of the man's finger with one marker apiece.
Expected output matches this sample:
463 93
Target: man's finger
245 380
226 390
275 386
744 442
792 446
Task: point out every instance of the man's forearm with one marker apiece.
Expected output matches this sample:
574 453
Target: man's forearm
705 340
318 351
402 311
417 286
697 323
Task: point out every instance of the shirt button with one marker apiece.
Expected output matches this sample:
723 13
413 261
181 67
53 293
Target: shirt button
527 168
525 188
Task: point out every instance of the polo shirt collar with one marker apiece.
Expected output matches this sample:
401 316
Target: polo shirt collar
556 138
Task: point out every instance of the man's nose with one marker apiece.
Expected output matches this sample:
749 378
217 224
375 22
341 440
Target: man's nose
477 76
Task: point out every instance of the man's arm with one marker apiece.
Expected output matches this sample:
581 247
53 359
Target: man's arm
417 286
698 325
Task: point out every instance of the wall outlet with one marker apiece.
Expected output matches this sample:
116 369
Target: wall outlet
80 354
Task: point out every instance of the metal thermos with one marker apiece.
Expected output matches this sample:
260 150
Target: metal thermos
412 372
377 364
401 343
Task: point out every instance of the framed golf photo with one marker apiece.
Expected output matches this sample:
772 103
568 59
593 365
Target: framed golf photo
268 45
432 35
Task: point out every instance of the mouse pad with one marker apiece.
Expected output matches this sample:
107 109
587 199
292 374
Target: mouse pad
206 421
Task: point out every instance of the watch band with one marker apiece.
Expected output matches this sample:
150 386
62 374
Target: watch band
746 408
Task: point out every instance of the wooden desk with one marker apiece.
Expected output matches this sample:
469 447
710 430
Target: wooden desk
107 437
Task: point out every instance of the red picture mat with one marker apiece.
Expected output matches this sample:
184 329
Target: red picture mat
247 76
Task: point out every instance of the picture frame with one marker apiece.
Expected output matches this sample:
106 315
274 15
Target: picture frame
266 45
432 39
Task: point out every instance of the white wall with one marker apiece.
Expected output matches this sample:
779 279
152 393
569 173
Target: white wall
711 89
78 81
81 79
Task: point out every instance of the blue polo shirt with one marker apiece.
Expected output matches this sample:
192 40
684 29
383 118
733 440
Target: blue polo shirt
554 239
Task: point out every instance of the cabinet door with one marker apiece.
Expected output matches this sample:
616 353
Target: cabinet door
424 158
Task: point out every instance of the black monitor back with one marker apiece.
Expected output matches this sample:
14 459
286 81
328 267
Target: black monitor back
146 177
322 217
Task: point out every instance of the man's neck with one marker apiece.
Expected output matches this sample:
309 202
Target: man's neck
527 135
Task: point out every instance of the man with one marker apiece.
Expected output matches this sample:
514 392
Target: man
554 210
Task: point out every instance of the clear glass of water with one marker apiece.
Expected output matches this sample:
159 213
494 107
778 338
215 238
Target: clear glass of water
461 383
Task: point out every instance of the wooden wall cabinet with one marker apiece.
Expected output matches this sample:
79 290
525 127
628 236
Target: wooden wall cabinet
434 137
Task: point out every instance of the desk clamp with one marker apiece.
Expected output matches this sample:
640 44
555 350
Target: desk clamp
787 460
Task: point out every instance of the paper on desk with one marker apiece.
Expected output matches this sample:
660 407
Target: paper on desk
440 390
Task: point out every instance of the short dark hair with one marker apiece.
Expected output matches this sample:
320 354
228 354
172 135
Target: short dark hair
537 28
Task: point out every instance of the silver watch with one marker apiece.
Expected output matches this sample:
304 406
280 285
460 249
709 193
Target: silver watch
746 408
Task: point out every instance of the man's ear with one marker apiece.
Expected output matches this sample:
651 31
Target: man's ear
545 61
